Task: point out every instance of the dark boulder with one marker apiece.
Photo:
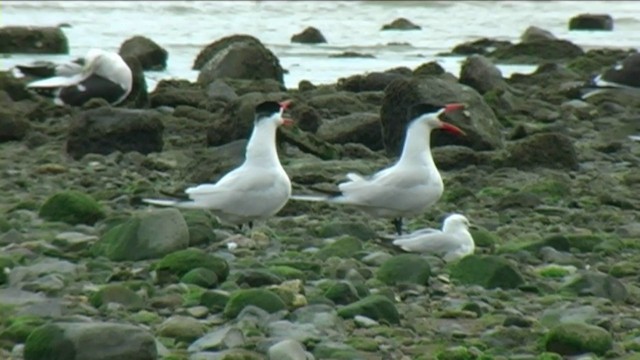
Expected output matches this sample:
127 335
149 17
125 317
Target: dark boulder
173 93
33 40
478 120
363 128
352 55
238 57
306 117
139 96
481 74
375 81
534 33
537 51
15 88
336 104
481 46
106 129
13 125
431 68
401 24
591 22
549 150
151 55
309 35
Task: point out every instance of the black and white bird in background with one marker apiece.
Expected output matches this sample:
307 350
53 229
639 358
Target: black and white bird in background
411 185
257 189
100 74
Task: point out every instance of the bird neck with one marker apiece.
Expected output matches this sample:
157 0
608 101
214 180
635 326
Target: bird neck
261 148
416 148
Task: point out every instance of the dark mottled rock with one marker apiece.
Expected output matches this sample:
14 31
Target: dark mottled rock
14 88
105 130
537 51
13 125
310 35
138 97
337 104
376 307
597 284
401 24
33 40
481 46
363 128
481 74
375 81
151 55
551 150
481 126
306 117
534 33
238 57
591 22
352 54
178 92
431 68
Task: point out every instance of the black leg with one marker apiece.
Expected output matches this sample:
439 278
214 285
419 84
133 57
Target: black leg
239 226
397 222
250 225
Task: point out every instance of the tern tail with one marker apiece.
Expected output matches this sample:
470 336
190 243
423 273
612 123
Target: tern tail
174 203
310 197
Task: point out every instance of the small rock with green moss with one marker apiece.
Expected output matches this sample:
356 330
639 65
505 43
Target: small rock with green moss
342 292
116 293
578 338
18 329
287 272
344 247
376 307
177 264
456 353
405 268
182 328
484 238
257 278
261 298
487 271
90 340
214 300
147 235
72 207
203 277
201 225
590 283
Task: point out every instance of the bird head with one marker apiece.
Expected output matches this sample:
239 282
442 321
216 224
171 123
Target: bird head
92 60
428 114
272 111
455 222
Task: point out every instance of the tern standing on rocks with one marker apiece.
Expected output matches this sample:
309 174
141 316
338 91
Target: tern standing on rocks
258 188
451 243
408 187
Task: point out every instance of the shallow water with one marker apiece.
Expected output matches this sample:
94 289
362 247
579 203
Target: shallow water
185 27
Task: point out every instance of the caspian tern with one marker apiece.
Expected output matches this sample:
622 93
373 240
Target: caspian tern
451 243
257 189
104 75
408 187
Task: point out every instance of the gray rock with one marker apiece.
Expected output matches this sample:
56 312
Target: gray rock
373 81
538 51
151 55
181 328
218 89
288 349
310 35
481 74
19 298
568 313
46 266
240 57
33 40
106 129
147 235
533 33
401 24
226 337
324 318
363 128
589 283
90 341
221 159
302 332
13 125
481 125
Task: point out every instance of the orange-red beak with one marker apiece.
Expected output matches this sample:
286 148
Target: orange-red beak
453 107
285 104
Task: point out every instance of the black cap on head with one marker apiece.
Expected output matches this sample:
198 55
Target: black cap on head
420 109
266 109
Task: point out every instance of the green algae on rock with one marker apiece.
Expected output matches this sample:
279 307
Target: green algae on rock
182 261
147 235
344 247
72 207
578 338
487 271
342 292
405 268
376 307
264 299
214 300
203 277
116 293
19 328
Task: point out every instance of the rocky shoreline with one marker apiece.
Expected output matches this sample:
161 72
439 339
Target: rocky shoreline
549 180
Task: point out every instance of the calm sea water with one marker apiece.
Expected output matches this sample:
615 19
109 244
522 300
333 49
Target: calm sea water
185 27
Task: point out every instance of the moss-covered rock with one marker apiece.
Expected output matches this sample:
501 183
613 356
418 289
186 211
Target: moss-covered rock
72 207
456 353
182 328
214 300
18 329
116 293
287 272
261 298
591 283
201 225
487 271
342 292
484 238
257 278
405 268
343 247
376 307
359 230
578 338
203 277
178 263
147 235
